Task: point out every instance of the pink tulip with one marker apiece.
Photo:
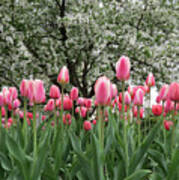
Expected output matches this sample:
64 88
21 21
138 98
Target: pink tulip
102 91
74 93
81 101
138 99
88 103
16 103
157 109
67 103
174 92
114 91
24 88
63 77
1 100
123 68
50 106
134 110
150 81
158 99
169 106
67 119
168 124
77 109
127 98
3 111
87 125
94 122
83 111
163 94
54 92
36 91
13 93
43 117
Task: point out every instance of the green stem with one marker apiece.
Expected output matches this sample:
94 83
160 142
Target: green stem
34 131
102 128
173 131
149 107
124 127
25 120
62 107
55 121
164 131
138 120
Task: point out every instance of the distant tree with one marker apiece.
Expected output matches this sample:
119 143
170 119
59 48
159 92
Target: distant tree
38 37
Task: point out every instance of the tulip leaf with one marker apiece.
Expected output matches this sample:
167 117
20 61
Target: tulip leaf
139 174
140 152
5 162
173 172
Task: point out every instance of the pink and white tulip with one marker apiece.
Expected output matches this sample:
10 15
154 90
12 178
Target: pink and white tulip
63 77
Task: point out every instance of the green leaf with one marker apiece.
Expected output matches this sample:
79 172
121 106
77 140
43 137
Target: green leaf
5 162
139 174
173 173
140 152
159 158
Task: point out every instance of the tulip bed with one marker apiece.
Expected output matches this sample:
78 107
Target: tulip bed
111 136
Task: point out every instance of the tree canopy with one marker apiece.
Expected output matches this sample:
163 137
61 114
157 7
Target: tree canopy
38 37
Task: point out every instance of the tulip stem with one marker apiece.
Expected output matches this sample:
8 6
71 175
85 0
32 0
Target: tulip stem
164 131
124 127
102 127
173 131
34 131
25 121
55 120
62 107
149 107
138 121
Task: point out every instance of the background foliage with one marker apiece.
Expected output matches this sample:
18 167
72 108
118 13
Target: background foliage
37 37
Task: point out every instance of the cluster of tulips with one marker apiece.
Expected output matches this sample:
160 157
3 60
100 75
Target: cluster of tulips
66 113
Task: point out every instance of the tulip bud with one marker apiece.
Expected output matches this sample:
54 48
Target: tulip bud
83 111
127 98
54 92
123 68
163 94
150 81
102 91
63 77
174 92
50 105
24 88
74 93
138 99
157 109
167 124
87 125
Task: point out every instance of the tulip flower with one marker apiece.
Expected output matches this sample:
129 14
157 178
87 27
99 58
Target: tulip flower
83 111
16 103
1 99
102 91
113 91
134 110
54 92
138 99
24 88
157 109
63 77
67 119
81 101
88 103
174 92
127 98
123 68
74 93
150 81
67 103
50 106
163 94
87 125
168 124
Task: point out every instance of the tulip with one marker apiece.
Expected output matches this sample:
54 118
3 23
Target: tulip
1 99
113 91
74 93
169 106
163 94
54 92
24 88
134 110
67 119
150 81
87 125
174 92
81 101
138 99
157 109
50 106
123 68
168 124
102 91
63 77
67 103
83 111
88 103
16 103
127 98
94 122
13 92
158 99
